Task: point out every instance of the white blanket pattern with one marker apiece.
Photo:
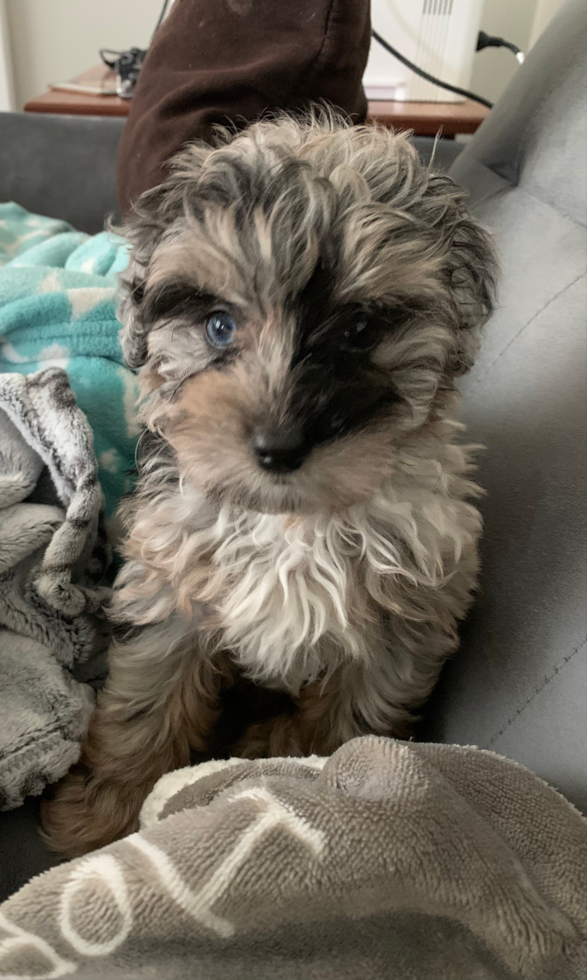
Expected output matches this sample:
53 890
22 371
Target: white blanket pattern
392 860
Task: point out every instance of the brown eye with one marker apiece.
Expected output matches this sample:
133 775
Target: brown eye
360 336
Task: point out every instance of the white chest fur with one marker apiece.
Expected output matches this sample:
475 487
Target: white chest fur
294 594
288 588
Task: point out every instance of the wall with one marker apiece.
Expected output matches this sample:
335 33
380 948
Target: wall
53 40
494 68
545 11
6 85
520 21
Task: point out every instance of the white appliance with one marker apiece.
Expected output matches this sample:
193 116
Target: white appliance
439 36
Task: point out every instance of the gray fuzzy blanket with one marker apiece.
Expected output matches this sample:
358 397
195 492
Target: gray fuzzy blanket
388 861
51 559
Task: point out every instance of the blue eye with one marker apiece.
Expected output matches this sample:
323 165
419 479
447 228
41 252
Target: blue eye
221 329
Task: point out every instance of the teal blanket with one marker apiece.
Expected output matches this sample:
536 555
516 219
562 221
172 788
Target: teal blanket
58 307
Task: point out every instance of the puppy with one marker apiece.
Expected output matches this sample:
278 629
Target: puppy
299 302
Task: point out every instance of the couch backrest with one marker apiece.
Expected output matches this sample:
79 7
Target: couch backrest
518 685
61 166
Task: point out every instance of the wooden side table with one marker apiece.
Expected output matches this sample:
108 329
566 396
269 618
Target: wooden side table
60 102
425 118
429 118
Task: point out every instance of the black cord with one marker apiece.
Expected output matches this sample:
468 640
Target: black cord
485 40
127 64
109 62
429 78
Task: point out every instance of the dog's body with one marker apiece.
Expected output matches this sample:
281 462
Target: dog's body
299 302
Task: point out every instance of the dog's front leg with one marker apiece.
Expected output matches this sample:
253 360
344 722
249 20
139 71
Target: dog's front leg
160 701
354 700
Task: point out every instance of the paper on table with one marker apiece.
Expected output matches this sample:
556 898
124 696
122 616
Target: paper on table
82 89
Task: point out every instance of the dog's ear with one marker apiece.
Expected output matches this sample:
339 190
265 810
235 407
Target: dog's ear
461 252
470 268
152 216
472 277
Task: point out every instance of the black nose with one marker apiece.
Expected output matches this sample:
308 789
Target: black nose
280 449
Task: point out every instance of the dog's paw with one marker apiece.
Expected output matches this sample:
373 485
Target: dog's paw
270 739
85 813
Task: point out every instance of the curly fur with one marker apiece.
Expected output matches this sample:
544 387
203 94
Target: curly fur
342 581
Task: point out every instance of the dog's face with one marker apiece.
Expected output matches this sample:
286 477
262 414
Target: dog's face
299 301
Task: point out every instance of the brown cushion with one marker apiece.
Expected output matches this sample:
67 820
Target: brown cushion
215 61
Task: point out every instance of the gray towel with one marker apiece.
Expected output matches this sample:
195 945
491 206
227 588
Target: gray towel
51 561
388 861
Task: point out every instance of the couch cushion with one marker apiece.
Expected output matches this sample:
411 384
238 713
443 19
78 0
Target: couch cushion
519 682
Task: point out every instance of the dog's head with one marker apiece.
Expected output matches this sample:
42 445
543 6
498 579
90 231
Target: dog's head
299 301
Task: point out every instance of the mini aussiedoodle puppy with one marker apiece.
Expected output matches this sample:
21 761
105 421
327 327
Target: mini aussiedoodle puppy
299 302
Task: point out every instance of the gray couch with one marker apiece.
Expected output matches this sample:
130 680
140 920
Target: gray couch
518 685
